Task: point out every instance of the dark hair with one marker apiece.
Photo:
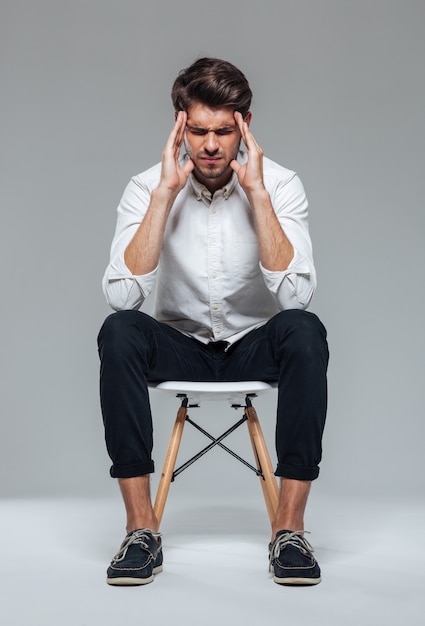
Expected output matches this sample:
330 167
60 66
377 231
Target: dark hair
212 82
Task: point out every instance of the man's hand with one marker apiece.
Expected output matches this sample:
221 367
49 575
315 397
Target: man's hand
250 175
173 175
276 251
142 253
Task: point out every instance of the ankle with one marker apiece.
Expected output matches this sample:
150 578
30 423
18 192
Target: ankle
137 523
138 505
293 525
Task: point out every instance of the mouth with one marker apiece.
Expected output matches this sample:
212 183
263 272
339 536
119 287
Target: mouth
211 160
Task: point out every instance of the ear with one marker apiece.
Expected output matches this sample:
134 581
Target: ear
248 118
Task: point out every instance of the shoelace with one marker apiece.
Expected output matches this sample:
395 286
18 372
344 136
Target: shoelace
139 537
293 539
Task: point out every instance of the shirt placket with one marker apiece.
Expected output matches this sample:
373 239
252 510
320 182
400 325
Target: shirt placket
215 218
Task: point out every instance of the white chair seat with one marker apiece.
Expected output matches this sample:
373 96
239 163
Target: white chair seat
233 392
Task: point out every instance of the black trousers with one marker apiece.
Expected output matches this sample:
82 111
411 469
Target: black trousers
290 348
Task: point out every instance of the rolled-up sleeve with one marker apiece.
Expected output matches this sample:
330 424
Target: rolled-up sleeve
122 289
293 288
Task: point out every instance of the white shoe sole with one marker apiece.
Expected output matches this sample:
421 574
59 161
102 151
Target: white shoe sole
127 581
294 580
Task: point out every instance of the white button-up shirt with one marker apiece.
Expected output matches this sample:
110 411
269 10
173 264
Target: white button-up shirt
209 282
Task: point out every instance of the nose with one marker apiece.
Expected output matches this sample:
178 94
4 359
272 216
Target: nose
211 143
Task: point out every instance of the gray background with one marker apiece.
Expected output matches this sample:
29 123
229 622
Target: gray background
339 97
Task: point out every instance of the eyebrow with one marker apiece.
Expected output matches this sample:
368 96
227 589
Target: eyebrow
227 127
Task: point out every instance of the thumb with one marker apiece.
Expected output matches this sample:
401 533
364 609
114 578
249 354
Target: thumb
188 166
235 165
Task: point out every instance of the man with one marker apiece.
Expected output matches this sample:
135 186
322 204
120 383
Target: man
222 233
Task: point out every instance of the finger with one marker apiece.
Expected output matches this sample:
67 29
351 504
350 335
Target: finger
175 138
172 137
238 118
239 121
181 120
246 133
250 140
235 165
188 166
247 136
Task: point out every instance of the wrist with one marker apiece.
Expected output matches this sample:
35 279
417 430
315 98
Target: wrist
164 196
258 194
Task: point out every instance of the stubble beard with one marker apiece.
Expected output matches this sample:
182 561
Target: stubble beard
212 172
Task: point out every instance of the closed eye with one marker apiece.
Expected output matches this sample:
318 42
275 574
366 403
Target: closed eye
224 131
227 130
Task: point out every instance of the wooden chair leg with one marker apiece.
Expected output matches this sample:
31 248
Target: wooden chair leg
264 464
170 461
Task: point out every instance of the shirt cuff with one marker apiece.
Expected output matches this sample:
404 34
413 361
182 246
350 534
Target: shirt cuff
273 280
118 270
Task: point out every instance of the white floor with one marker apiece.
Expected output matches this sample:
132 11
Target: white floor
55 552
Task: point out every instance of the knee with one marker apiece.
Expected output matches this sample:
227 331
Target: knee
116 324
301 332
120 331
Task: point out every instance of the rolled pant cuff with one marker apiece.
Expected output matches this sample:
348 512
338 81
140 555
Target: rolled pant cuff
296 473
131 471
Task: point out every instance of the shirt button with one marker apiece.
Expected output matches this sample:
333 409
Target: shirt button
218 331
215 307
214 275
214 210
213 242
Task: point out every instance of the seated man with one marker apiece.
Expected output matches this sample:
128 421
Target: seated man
222 233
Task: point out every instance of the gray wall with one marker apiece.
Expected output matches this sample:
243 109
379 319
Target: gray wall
339 96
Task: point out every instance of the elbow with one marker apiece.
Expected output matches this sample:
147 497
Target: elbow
115 305
297 295
122 297
300 306
293 303
306 297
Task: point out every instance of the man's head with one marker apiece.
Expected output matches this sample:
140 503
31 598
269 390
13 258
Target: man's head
212 82
211 91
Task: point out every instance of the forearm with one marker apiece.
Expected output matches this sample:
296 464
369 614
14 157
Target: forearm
142 253
276 251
